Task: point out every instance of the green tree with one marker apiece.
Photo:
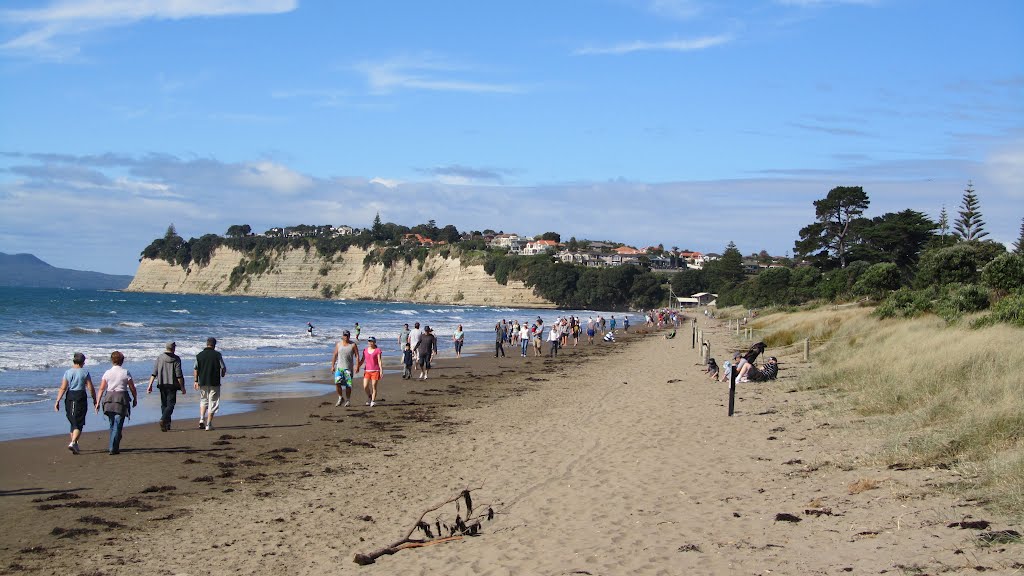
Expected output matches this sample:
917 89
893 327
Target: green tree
1018 246
943 225
551 236
836 227
960 262
878 281
727 271
238 230
969 225
573 245
688 282
449 234
1005 274
897 237
377 229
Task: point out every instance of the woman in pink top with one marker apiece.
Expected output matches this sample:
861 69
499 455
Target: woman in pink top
372 363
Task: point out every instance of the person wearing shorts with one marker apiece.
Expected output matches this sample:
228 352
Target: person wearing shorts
75 383
458 338
372 364
343 366
210 368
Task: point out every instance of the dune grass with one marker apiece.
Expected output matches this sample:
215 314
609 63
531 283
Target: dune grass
946 396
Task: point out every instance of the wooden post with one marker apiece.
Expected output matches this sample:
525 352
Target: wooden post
693 325
807 349
707 357
732 390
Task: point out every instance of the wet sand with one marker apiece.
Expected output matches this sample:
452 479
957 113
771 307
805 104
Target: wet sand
611 459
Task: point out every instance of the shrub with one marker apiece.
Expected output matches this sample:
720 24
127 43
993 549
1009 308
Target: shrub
1009 310
877 281
960 299
958 263
1004 274
905 303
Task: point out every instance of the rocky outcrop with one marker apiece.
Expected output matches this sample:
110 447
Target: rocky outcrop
299 273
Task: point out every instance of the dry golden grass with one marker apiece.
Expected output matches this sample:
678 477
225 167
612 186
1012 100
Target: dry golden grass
863 485
942 395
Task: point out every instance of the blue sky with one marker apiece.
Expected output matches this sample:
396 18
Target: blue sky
684 122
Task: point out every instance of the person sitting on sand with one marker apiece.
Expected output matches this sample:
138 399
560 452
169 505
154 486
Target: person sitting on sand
712 368
75 382
609 337
751 373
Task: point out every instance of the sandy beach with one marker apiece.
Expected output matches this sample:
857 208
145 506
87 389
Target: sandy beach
611 459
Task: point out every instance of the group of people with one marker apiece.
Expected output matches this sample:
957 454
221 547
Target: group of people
117 394
746 370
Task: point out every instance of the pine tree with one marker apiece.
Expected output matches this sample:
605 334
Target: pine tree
943 225
969 225
1018 246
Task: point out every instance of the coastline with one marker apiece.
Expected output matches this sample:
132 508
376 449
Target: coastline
611 459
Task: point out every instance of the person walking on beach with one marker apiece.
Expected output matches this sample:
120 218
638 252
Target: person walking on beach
426 348
407 362
625 323
524 337
499 340
458 338
414 339
358 330
590 330
372 363
117 396
554 337
75 383
210 368
403 336
611 323
343 366
169 379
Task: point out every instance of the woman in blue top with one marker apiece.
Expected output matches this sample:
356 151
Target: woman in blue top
75 383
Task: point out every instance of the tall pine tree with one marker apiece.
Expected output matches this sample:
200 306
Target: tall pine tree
969 225
943 224
1018 246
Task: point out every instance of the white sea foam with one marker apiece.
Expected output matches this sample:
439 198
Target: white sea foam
131 324
180 311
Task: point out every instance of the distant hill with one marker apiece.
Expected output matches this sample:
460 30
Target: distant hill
25 270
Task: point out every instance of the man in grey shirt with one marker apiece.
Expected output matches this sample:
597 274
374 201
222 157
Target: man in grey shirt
343 367
169 379
403 337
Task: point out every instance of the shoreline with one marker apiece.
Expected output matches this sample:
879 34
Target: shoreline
612 459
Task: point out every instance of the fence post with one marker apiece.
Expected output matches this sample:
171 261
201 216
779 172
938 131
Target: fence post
732 389
807 349
693 344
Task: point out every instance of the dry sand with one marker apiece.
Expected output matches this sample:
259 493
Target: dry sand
611 459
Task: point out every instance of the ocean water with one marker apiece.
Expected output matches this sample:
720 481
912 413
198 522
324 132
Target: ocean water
261 340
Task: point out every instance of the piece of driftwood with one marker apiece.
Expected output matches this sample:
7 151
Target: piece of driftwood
470 526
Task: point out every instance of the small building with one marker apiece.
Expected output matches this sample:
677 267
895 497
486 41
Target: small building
705 298
539 247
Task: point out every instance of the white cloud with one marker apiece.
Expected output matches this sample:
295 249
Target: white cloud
386 182
74 17
1006 168
688 45
425 73
273 177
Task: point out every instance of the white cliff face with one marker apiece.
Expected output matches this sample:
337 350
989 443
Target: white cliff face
304 274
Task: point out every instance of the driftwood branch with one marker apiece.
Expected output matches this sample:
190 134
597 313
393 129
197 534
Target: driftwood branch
468 526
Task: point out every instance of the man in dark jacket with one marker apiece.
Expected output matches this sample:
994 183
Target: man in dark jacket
169 379
426 348
209 369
